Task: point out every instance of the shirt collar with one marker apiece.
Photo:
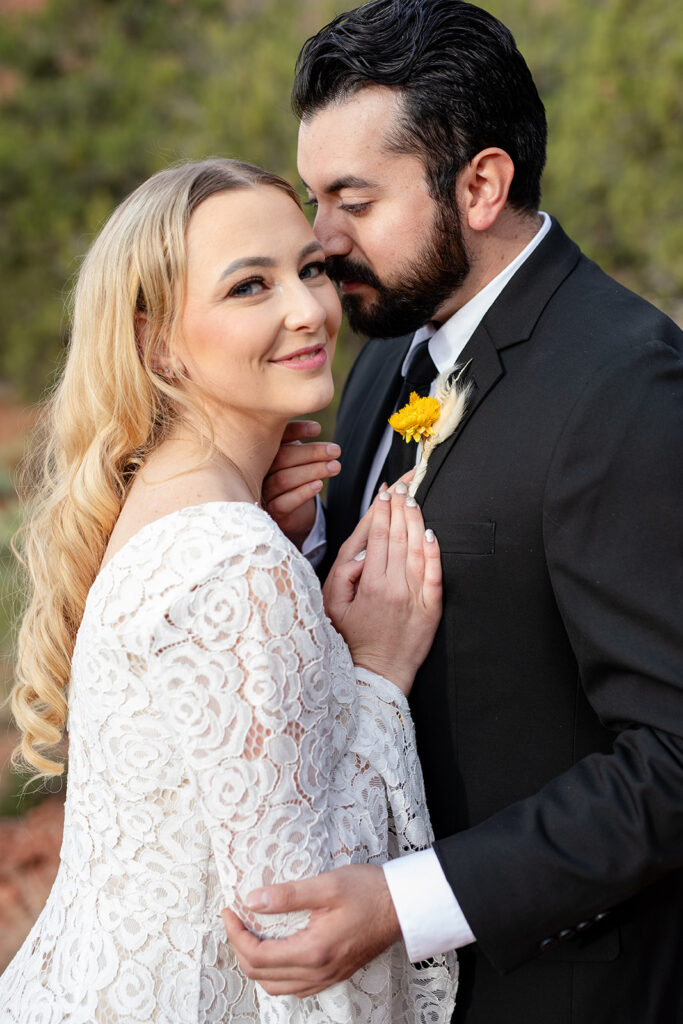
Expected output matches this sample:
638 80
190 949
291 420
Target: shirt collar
447 342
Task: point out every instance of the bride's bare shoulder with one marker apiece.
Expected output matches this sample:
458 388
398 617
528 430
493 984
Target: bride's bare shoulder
174 477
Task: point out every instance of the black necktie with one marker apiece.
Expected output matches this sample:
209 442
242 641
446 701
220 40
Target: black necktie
419 376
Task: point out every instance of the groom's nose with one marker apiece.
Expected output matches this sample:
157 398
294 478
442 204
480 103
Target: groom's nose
330 232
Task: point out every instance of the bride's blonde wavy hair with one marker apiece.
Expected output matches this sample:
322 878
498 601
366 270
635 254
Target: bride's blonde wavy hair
111 408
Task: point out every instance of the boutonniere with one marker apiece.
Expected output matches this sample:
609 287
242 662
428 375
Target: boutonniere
431 420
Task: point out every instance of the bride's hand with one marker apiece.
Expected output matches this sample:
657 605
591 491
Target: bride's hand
387 604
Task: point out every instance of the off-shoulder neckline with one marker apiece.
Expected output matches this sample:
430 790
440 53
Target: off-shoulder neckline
143 530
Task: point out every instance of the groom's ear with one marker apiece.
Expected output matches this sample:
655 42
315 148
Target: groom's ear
484 185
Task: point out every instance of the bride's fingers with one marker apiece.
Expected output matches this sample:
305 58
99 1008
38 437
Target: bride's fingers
432 588
398 539
358 540
340 586
405 479
378 539
415 563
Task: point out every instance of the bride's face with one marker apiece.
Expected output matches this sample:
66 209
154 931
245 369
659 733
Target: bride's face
260 320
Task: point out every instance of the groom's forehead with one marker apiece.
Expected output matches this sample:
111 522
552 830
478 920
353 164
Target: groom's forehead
331 161
348 132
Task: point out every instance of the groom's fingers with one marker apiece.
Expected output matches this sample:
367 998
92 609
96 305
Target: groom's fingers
352 921
300 430
297 473
294 456
278 981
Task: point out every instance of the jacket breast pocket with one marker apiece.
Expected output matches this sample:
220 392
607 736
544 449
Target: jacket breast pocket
464 538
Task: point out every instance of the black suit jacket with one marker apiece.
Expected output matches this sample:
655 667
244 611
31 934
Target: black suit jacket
549 714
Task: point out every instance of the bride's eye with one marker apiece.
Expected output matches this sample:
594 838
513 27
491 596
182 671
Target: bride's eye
246 288
312 270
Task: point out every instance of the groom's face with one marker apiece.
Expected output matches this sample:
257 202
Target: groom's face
397 255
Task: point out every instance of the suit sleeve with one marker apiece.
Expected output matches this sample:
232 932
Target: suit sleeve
613 823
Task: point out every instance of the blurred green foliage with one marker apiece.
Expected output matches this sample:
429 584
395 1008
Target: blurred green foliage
98 95
95 95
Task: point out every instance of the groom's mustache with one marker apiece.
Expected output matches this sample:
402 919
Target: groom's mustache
340 268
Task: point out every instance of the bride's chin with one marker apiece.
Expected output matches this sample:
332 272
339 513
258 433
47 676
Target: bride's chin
322 399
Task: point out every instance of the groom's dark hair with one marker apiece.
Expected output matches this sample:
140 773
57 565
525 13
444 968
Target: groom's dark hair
464 86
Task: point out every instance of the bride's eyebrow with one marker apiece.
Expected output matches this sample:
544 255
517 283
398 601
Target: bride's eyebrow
247 261
309 249
265 261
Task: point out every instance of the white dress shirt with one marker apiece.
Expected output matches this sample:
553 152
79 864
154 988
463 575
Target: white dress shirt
429 915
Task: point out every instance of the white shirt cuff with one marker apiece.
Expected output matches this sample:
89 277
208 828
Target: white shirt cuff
315 545
429 914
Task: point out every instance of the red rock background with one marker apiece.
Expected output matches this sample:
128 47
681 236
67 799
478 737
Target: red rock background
29 856
30 842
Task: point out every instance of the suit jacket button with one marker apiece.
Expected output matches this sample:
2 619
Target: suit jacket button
546 944
566 933
582 925
602 916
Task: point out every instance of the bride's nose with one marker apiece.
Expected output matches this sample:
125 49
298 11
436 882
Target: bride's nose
304 310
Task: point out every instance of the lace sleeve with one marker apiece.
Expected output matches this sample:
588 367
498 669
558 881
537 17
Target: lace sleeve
386 738
241 663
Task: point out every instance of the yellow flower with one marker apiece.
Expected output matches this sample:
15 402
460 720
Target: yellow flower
416 420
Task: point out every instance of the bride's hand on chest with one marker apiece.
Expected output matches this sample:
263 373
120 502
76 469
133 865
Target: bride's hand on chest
384 591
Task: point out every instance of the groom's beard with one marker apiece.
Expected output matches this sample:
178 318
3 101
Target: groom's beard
426 282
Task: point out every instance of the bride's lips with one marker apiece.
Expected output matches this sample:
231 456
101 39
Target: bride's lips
311 358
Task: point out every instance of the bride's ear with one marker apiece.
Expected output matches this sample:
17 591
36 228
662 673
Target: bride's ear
160 359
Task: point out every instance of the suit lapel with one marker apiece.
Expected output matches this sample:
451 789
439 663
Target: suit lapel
510 321
483 373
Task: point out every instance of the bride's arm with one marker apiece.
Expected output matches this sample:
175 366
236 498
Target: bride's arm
246 685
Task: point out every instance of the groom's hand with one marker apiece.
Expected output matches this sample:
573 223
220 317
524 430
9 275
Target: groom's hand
296 476
352 921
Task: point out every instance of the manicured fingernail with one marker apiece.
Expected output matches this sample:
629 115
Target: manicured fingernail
334 466
401 488
360 557
258 900
316 485
384 496
410 502
429 536
312 428
333 449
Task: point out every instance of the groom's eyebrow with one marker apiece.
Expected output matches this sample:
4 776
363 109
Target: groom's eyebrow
347 181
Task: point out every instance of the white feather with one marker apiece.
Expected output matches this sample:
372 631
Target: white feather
452 397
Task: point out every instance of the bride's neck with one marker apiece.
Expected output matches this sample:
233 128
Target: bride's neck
245 453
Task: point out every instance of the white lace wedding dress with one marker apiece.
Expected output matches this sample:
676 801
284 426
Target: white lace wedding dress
219 740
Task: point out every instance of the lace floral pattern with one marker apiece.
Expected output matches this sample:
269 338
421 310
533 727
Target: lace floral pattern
219 741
